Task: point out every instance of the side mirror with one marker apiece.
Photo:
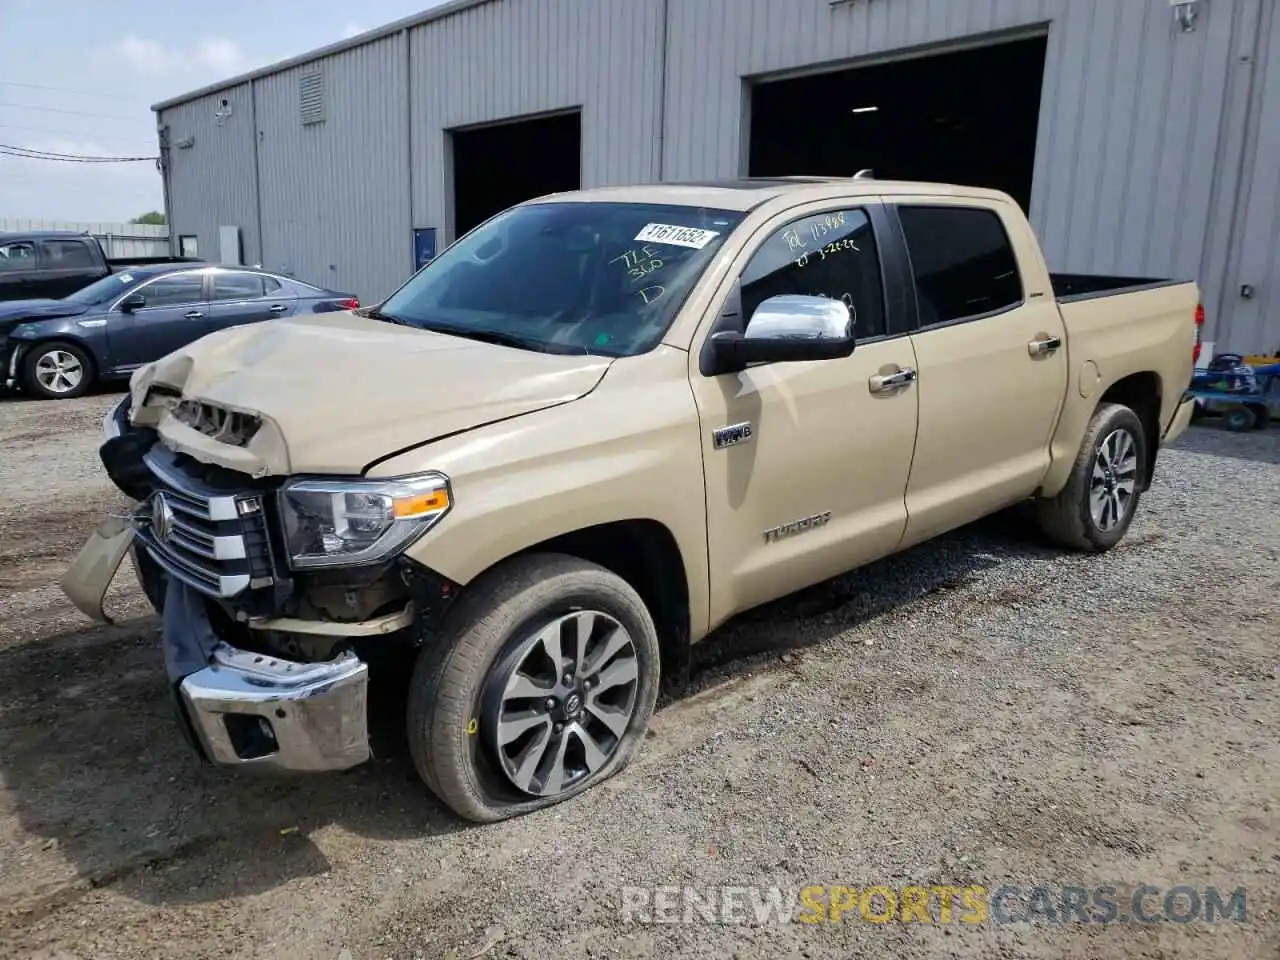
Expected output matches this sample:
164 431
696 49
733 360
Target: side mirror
134 301
787 328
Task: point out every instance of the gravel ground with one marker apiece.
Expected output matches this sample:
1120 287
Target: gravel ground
982 710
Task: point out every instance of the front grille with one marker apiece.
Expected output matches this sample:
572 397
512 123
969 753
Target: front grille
211 539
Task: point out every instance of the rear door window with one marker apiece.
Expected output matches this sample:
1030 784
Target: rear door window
67 255
963 262
237 286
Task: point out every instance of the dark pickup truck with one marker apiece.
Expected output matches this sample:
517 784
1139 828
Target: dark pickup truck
52 264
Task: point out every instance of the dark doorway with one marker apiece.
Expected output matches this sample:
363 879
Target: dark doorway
968 117
498 166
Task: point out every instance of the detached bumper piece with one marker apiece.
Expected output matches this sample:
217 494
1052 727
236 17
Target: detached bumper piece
249 709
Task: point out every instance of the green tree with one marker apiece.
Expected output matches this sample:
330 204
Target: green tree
155 218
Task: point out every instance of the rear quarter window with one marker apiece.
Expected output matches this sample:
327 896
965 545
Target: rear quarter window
962 261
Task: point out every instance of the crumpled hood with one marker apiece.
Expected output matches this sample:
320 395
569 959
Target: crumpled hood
14 312
337 391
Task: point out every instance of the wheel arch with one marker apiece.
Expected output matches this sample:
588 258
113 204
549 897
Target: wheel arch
646 555
1143 393
82 344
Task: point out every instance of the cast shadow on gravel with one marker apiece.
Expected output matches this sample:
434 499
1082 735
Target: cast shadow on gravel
95 764
819 614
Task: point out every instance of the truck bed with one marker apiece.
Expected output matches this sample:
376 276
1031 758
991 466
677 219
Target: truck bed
1070 287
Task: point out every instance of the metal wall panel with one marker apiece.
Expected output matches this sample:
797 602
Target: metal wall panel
716 44
335 194
1131 129
213 182
1253 325
1158 150
513 58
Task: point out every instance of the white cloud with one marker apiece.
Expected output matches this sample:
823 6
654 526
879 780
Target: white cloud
216 55
219 53
145 56
352 30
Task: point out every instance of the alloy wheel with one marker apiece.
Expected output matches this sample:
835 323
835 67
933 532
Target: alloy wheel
564 702
59 371
1114 480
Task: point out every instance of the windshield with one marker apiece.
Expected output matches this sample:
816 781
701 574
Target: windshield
101 291
602 278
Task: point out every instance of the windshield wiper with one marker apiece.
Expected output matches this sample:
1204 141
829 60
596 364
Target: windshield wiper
491 336
376 314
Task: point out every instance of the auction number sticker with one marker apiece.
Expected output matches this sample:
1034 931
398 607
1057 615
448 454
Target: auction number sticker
679 236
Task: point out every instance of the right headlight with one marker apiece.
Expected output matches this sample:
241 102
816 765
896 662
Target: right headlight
343 523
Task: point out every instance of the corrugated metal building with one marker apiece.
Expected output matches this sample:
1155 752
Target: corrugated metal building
1152 146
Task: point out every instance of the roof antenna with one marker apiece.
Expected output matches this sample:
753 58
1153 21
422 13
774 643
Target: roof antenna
865 174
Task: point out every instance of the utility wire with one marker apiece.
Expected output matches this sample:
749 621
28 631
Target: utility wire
74 113
70 133
29 154
41 86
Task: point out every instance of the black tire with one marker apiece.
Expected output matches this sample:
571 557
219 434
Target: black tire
1240 419
451 712
1262 417
1068 518
31 384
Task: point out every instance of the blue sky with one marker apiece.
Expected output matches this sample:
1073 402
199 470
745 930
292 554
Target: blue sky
79 76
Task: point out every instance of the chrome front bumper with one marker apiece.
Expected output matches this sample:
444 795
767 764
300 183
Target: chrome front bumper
250 709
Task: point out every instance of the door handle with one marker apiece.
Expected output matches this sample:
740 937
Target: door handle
886 382
1044 346
193 314
278 308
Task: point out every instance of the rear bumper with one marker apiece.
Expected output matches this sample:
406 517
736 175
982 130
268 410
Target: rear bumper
1181 419
248 709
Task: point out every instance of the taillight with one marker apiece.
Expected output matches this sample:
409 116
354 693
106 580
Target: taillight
1195 351
351 303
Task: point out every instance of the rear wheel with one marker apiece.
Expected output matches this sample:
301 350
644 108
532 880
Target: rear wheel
1094 510
56 371
540 685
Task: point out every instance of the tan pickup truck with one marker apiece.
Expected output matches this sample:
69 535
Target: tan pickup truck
588 433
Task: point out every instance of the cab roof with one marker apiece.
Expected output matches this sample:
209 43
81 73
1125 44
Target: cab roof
747 193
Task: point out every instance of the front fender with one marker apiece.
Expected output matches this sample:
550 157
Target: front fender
88 333
630 450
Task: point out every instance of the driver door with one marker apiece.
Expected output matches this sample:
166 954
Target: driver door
807 463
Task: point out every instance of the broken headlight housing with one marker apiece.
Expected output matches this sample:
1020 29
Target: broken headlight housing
344 523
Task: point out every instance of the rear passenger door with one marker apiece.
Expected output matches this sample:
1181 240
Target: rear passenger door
992 358
240 297
66 266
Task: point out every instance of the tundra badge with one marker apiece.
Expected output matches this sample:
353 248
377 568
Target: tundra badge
797 526
737 433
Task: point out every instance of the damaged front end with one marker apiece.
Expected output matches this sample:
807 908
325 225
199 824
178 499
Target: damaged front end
276 593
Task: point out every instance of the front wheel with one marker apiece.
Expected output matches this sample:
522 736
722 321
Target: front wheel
56 371
1094 510
540 685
